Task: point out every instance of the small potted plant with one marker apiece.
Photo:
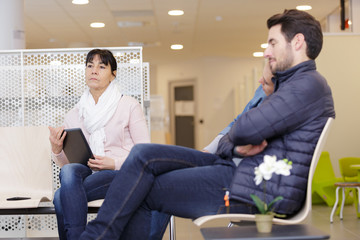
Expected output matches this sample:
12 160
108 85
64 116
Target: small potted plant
264 172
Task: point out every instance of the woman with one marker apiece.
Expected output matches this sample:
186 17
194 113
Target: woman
112 124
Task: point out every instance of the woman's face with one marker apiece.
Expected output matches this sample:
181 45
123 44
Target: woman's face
266 80
98 75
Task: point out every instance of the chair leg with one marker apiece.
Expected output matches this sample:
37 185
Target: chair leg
342 203
358 201
335 204
172 228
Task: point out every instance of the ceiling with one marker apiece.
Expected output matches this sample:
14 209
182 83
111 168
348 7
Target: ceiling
61 24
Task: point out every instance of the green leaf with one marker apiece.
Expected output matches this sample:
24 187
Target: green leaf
259 204
274 201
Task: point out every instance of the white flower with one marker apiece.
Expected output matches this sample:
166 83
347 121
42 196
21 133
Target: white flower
267 168
270 159
258 176
264 172
283 168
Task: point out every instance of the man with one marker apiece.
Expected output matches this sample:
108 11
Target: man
189 183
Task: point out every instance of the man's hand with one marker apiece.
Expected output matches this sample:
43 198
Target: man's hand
250 150
101 163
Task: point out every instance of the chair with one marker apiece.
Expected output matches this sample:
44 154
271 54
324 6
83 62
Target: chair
348 174
344 185
350 181
304 211
95 203
323 189
25 167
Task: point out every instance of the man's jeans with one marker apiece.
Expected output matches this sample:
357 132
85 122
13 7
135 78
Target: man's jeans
170 179
78 187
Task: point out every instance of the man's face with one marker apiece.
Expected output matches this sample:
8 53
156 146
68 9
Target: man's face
279 51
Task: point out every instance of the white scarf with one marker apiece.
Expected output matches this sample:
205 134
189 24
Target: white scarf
97 115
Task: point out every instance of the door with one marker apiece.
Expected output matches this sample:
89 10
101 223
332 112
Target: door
182 113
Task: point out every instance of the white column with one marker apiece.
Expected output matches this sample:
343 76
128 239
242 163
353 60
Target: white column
12 24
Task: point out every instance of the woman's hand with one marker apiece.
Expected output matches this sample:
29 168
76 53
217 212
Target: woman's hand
56 139
101 163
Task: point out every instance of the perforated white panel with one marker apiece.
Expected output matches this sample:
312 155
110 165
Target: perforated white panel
38 87
12 226
146 91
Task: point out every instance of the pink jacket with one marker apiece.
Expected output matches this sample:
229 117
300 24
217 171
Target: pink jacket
126 128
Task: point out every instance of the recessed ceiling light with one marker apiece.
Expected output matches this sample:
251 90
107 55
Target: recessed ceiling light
97 25
176 12
258 54
304 7
177 47
80 2
264 45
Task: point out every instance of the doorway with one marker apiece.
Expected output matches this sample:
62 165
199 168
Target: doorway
183 112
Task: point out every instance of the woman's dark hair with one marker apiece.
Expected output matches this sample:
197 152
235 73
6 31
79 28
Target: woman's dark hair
294 22
106 57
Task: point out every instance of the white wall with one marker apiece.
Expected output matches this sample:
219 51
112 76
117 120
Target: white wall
216 78
339 64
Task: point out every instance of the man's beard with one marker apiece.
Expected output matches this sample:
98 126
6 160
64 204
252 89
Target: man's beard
286 63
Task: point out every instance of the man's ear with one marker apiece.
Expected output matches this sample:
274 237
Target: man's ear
298 41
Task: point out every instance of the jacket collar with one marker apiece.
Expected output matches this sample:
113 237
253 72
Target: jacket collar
280 77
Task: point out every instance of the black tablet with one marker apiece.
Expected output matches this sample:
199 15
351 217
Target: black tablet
76 147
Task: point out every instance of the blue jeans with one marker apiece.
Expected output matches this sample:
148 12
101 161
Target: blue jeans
175 180
159 223
78 187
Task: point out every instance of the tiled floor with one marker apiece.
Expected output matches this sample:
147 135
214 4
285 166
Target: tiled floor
347 229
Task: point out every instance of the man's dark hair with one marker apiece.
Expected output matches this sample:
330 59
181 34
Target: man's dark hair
294 22
106 57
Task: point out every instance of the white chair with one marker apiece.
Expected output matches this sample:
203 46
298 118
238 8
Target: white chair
25 167
305 210
96 203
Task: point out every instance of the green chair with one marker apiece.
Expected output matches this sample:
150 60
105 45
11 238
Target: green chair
323 189
350 175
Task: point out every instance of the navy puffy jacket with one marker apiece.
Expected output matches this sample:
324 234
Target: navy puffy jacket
291 120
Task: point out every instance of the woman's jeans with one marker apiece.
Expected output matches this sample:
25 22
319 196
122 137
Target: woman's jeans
175 180
78 187
159 223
